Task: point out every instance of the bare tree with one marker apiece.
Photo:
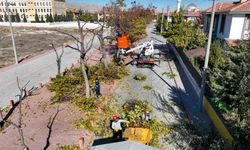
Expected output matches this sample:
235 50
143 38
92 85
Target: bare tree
58 58
18 125
83 46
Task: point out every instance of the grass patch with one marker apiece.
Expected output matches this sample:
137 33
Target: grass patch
140 77
147 87
169 74
68 147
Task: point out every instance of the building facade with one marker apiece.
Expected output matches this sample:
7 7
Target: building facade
30 7
232 20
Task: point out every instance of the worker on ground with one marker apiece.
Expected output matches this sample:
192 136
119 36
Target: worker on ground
116 125
146 116
97 88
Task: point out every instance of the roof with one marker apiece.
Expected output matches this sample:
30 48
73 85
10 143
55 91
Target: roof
198 52
193 14
188 14
125 145
231 7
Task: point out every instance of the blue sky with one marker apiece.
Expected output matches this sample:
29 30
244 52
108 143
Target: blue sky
158 3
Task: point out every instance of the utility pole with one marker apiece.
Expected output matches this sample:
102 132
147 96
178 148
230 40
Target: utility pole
178 5
162 20
167 16
11 31
205 69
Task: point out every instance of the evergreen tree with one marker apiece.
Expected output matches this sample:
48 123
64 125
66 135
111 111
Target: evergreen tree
51 18
69 16
36 18
64 18
6 18
183 34
42 19
233 88
55 18
18 17
12 18
24 18
47 18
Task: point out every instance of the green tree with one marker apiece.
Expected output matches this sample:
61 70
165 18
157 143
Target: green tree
24 18
69 16
158 23
215 62
56 18
42 20
12 18
36 18
137 29
18 17
6 17
86 17
183 34
51 19
47 18
232 88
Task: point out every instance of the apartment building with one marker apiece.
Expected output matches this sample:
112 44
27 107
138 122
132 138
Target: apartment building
30 7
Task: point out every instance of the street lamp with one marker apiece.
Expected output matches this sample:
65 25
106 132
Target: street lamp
11 31
205 69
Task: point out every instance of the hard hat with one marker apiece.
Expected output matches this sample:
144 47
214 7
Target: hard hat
114 117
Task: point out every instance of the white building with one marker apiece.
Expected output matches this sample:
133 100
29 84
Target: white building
30 7
232 20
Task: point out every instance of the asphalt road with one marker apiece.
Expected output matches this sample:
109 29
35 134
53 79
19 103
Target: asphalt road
35 70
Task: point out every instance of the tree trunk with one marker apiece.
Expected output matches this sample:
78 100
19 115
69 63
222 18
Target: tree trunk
59 68
86 80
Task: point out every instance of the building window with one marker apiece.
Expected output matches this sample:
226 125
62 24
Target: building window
20 10
47 10
222 25
0 10
41 10
38 10
44 10
41 3
46 3
34 3
49 3
37 3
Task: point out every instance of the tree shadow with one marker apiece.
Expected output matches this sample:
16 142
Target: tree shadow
49 126
6 117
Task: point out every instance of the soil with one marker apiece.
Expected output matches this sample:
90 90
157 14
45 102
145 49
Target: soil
29 42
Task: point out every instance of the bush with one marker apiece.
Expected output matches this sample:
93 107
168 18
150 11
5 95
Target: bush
68 147
140 77
70 86
133 110
147 87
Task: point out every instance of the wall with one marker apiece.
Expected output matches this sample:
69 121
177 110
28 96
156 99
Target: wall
225 34
237 27
58 8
